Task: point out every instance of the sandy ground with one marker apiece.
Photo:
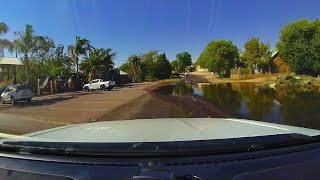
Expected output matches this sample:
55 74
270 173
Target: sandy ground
68 108
153 105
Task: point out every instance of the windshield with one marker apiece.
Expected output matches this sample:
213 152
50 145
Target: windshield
161 72
23 87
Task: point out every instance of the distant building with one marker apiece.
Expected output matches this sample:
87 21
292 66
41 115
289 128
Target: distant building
200 69
124 78
280 65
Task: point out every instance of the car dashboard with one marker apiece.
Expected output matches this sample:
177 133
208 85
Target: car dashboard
299 162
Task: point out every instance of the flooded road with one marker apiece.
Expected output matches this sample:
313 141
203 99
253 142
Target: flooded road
248 100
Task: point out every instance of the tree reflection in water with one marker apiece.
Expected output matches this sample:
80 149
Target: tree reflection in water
252 102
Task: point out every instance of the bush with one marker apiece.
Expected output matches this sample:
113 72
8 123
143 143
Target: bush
190 69
293 81
244 70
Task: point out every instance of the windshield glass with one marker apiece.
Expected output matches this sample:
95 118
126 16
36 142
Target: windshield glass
23 87
160 71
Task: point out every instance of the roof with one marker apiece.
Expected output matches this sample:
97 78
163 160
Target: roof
274 53
123 73
11 61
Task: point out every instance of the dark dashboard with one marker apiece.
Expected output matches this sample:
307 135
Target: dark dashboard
298 162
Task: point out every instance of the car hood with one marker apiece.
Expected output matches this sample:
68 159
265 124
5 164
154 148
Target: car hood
164 130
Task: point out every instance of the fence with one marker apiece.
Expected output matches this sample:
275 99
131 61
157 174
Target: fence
243 73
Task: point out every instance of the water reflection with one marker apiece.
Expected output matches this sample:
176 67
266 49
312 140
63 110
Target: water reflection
249 101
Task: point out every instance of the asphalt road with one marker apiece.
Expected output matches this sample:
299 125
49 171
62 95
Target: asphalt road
63 109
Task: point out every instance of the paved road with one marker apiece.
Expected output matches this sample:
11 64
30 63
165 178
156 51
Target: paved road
63 109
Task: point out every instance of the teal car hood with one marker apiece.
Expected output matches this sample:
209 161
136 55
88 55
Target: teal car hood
164 130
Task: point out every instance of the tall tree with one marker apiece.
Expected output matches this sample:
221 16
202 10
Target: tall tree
61 63
81 47
125 67
183 60
148 66
4 43
135 65
299 46
220 57
26 43
257 53
163 67
107 58
99 62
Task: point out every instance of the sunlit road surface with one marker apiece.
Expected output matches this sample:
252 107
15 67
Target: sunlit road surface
64 109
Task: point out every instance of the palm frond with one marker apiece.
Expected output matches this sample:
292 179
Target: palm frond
3 28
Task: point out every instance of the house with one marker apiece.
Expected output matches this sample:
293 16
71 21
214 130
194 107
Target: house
14 62
124 78
280 65
200 69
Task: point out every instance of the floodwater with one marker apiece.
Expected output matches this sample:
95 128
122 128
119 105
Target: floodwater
249 101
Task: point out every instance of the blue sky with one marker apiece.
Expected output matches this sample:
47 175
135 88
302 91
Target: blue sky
170 26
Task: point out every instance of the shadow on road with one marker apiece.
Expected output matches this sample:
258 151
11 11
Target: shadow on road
42 102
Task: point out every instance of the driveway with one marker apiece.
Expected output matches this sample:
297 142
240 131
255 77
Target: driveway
67 108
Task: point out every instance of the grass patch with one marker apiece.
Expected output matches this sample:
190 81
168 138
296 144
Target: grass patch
6 131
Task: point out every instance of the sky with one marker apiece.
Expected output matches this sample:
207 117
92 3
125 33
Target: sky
169 26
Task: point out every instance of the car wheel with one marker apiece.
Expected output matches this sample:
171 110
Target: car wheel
29 100
2 101
109 88
13 101
103 87
86 89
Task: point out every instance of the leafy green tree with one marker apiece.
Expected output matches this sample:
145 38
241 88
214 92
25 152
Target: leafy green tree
26 42
219 56
61 63
299 46
257 54
81 47
125 67
41 57
183 60
163 67
201 61
4 43
148 66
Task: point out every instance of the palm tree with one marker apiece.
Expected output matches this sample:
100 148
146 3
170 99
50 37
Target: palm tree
4 43
134 61
106 60
99 61
26 43
90 64
81 47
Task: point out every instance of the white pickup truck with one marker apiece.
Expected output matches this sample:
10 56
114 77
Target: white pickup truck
99 84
